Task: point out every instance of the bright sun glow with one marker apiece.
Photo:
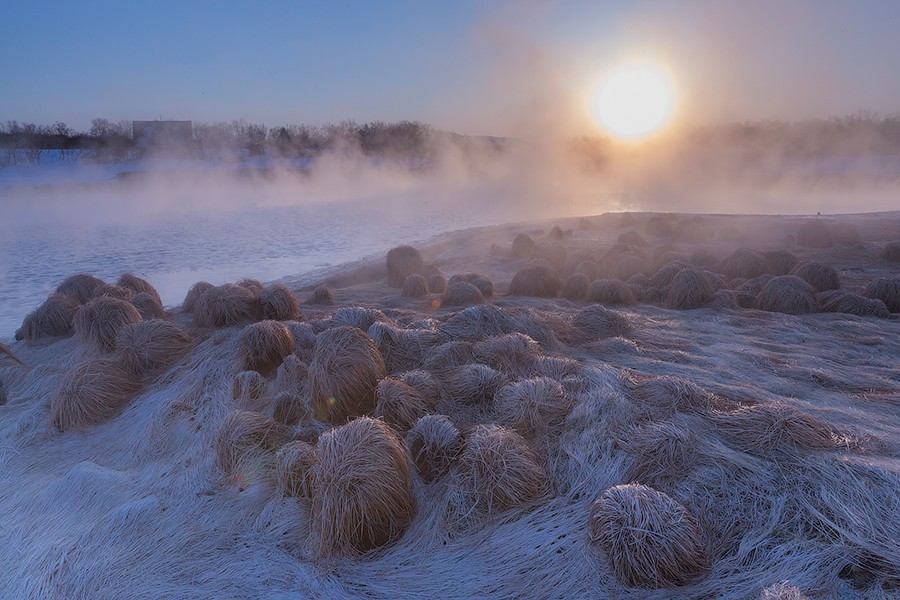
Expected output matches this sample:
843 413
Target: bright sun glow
633 102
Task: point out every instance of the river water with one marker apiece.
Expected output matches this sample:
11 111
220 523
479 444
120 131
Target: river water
174 238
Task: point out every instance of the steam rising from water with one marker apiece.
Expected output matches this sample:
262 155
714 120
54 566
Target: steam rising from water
214 222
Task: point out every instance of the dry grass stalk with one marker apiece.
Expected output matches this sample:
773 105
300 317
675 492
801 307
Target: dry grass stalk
358 316
5 352
345 369
322 295
507 352
99 321
225 306
114 291
415 286
148 306
150 347
532 406
886 289
278 303
665 452
774 430
79 287
839 301
54 318
362 496
627 265
781 262
448 356
138 286
691 288
483 284
576 287
294 466
497 470
425 383
399 404
190 300
539 281
671 394
247 387
263 346
471 384
403 349
666 274
254 285
91 393
245 438
402 262
787 294
523 246
290 409
596 321
434 443
821 277
743 263
649 539
610 291
783 591
461 293
575 259
437 284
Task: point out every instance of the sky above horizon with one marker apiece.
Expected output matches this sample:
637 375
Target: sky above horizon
476 67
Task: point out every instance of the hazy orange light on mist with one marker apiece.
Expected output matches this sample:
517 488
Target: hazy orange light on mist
633 101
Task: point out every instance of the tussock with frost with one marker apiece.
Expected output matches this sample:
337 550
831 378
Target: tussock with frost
787 294
138 286
225 306
148 306
415 286
294 465
497 471
150 347
91 393
278 303
539 281
321 295
54 318
461 293
821 277
264 345
98 322
79 287
362 489
196 290
773 437
887 290
434 443
399 404
247 440
345 370
402 262
649 539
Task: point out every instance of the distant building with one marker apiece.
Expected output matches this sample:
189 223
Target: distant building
162 134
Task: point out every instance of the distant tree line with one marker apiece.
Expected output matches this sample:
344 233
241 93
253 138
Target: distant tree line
113 140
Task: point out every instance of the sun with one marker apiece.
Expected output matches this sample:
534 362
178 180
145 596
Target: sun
634 101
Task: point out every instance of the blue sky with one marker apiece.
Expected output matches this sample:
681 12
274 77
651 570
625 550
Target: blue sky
471 66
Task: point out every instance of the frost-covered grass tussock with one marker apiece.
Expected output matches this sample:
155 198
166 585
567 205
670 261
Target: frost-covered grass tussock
729 431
